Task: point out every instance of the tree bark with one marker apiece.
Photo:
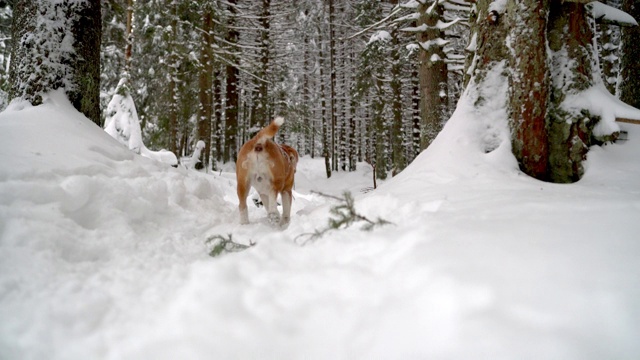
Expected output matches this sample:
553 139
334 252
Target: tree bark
205 83
630 66
529 85
231 109
570 133
433 73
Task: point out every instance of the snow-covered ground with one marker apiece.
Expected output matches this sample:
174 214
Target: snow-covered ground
103 255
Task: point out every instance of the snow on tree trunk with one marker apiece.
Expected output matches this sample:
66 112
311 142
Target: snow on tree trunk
529 85
572 59
57 46
397 133
547 57
629 89
432 70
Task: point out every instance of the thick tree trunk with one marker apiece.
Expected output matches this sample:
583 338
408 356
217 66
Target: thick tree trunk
529 86
630 65
570 133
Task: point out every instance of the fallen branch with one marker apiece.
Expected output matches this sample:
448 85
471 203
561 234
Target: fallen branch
345 215
226 245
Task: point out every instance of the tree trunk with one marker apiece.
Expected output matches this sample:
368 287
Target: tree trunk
216 126
262 110
172 92
379 134
205 82
231 109
332 86
630 66
570 42
323 109
433 73
397 124
529 86
39 64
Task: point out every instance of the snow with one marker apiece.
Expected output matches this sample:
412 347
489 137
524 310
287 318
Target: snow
381 35
611 14
599 101
438 42
122 124
104 256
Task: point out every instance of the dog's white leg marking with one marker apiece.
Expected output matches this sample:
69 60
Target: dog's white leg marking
286 207
244 216
244 212
272 210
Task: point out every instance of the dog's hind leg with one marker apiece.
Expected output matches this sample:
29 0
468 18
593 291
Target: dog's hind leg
243 191
265 201
286 207
272 209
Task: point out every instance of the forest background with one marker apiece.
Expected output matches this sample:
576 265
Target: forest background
357 80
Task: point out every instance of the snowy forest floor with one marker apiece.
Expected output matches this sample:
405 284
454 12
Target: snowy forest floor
103 255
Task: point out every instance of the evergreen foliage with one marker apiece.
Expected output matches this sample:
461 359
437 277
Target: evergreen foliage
344 215
222 245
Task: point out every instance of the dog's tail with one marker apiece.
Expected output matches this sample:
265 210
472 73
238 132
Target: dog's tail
268 132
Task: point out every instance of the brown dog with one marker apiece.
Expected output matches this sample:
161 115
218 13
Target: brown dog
270 169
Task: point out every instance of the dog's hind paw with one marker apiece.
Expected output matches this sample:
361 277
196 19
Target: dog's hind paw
284 222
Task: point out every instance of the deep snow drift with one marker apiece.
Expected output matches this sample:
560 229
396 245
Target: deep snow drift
103 255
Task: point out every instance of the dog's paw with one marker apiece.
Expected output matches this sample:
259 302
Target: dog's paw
284 222
274 218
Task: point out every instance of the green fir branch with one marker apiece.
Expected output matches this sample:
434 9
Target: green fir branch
226 245
345 215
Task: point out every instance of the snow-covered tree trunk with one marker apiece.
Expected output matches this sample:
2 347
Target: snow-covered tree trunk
629 88
609 49
544 49
57 45
570 39
397 124
433 71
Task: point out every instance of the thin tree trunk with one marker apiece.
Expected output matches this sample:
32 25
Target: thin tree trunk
433 73
323 110
397 124
332 85
231 109
204 118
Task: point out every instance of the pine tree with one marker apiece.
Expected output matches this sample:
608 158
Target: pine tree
57 45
